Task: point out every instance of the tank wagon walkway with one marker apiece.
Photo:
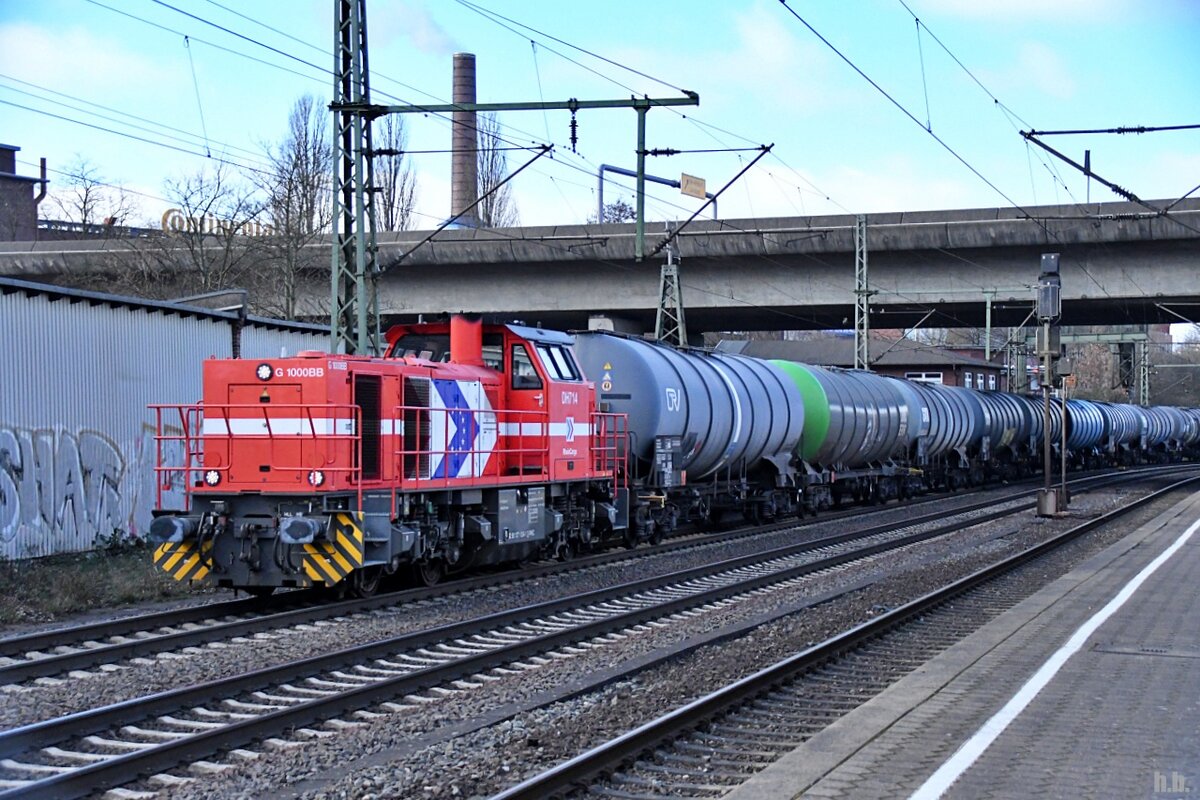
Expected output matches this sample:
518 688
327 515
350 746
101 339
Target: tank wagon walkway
1087 689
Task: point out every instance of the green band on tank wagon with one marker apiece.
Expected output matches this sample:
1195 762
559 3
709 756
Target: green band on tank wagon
816 408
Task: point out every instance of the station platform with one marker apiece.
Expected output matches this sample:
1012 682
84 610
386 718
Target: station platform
1090 688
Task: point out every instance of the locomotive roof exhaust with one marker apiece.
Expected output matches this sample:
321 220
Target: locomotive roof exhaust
466 339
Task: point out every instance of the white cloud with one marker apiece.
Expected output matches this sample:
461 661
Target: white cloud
1011 11
765 57
1037 68
399 20
81 64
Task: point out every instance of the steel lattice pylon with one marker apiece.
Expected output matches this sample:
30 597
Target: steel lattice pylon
669 324
862 297
354 322
1143 376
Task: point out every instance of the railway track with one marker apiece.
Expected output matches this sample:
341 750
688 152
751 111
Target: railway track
705 748
81 753
66 650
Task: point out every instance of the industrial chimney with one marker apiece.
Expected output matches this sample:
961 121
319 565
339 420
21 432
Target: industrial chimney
464 164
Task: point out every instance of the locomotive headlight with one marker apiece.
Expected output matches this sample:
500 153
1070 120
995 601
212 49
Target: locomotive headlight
212 477
263 372
316 477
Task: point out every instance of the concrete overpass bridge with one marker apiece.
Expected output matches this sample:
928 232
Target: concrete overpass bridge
1120 264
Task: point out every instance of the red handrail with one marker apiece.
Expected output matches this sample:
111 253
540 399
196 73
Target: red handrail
306 418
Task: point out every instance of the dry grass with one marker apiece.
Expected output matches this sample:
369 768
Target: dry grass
46 589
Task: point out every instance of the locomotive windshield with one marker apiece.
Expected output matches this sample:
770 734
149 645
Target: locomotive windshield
558 362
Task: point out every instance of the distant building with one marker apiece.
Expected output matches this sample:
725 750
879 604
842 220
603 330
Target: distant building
18 203
914 361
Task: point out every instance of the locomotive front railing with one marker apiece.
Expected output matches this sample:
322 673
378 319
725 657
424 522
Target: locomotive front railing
194 442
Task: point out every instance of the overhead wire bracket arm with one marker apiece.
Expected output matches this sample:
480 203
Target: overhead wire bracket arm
763 150
1133 129
1030 136
689 99
545 148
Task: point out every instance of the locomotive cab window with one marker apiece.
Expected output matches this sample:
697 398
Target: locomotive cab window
430 347
558 362
524 374
493 351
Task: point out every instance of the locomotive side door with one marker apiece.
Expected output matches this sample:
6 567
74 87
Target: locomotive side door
526 423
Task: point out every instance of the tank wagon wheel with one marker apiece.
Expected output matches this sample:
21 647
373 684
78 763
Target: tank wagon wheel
366 581
429 573
566 551
656 535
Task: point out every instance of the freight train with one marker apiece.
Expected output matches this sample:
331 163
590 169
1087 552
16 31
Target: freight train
468 445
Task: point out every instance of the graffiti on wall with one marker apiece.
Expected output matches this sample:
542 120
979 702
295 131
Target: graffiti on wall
63 487
64 491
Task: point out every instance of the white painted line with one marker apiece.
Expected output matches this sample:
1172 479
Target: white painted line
974 747
278 426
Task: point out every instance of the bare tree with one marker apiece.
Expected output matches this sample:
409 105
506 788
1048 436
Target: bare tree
206 248
298 188
1096 373
300 205
498 209
616 211
395 180
88 200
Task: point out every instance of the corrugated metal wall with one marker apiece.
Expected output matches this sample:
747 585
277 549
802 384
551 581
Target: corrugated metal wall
76 438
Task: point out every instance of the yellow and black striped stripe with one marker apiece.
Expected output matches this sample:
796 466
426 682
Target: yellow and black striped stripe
185 560
341 553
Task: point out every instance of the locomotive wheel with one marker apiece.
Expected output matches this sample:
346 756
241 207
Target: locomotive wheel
429 573
366 581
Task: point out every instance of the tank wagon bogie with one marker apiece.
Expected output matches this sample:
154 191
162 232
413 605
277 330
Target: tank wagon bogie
470 445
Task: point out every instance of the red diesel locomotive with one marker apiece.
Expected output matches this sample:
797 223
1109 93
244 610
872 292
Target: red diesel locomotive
465 445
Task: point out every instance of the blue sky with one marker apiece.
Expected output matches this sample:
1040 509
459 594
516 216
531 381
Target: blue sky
763 77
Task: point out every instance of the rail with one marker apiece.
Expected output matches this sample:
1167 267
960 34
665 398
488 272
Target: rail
575 773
